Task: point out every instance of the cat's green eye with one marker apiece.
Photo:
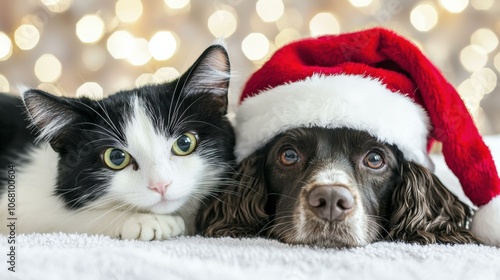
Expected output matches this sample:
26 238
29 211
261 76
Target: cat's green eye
116 159
185 144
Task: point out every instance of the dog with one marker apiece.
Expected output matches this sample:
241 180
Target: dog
337 188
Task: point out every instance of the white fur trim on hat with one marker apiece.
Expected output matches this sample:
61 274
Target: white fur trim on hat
486 222
352 101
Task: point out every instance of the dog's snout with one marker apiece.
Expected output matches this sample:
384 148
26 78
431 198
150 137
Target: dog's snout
331 202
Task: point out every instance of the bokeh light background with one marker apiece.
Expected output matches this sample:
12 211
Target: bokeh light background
97 47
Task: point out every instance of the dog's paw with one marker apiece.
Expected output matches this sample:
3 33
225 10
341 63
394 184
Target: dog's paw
152 227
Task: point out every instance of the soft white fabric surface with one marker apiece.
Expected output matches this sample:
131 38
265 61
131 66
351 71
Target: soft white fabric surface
62 256
68 257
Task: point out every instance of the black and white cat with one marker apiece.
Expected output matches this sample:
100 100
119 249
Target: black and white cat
135 165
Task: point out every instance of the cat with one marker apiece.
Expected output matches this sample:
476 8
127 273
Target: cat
134 165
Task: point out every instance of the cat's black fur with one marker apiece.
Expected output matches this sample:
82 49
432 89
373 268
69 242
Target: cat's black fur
14 137
13 125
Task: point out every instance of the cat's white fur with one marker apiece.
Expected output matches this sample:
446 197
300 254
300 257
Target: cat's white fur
153 217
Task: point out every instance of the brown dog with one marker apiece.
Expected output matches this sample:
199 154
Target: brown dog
336 188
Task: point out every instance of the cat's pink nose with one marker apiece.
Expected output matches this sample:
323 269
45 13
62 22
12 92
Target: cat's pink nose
159 187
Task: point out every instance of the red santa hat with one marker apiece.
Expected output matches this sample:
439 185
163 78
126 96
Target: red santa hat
379 82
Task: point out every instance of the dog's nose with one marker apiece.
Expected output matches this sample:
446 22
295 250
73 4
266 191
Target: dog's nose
331 202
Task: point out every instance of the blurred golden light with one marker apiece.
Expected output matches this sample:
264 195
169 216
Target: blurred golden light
379 12
255 46
50 88
272 49
48 68
324 23
57 6
146 79
176 4
417 43
119 44
163 45
26 36
166 74
94 58
50 2
5 46
90 29
222 23
454 6
286 36
91 90
139 53
4 84
128 10
482 4
485 78
480 119
360 3
471 93
424 17
270 10
473 58
496 62
291 18
484 38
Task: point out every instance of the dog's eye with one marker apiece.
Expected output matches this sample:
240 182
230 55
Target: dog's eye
289 157
374 160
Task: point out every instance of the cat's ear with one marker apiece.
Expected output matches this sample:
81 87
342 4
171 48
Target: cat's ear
49 114
210 75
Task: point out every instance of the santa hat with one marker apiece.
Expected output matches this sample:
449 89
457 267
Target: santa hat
379 82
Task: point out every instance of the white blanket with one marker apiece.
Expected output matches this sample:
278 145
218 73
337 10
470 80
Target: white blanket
71 257
62 256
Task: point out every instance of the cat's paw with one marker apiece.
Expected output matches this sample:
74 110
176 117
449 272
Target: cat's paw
152 227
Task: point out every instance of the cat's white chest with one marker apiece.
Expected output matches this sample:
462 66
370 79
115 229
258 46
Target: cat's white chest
34 188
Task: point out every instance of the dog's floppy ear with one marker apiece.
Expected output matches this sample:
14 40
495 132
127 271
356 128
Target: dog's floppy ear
424 211
239 209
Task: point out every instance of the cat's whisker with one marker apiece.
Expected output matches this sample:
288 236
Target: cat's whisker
80 173
112 134
220 191
111 210
179 91
80 212
108 137
194 197
97 187
98 140
181 97
103 108
216 197
180 118
205 123
120 206
110 123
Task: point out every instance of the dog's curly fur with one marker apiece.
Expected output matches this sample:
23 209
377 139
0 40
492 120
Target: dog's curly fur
425 212
402 201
